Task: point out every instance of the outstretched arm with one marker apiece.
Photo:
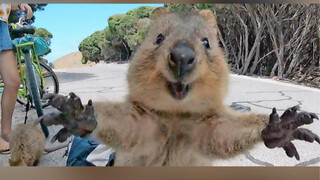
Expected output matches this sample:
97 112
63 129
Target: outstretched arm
115 124
229 134
234 133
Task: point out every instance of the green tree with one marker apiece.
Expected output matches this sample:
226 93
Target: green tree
91 46
117 41
125 26
188 7
44 33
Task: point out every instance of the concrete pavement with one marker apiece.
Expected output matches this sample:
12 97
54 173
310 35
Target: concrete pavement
108 82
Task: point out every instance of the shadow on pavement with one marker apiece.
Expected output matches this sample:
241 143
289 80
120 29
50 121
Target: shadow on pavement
65 77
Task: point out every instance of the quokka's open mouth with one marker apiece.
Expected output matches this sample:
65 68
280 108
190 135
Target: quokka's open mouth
178 90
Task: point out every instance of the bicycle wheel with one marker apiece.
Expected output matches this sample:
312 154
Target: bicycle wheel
33 89
50 85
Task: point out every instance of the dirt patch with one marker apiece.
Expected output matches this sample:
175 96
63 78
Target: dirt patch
71 60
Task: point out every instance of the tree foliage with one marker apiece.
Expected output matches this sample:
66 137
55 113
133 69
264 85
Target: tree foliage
117 41
46 35
272 40
91 47
43 33
188 7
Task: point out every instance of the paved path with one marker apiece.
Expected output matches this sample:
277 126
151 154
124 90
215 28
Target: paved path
108 82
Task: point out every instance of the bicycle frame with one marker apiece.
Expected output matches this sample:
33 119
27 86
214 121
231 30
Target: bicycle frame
35 62
19 54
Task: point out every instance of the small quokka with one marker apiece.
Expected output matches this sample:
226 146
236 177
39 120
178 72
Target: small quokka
27 145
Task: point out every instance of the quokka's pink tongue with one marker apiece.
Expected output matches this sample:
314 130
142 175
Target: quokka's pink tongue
179 95
179 89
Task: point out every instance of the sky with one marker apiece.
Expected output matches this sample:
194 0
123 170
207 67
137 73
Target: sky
71 23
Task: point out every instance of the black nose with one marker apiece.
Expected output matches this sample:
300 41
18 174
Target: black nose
182 59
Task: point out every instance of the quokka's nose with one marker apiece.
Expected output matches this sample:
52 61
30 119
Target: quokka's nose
182 59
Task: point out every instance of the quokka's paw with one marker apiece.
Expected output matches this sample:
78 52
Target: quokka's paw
282 130
76 119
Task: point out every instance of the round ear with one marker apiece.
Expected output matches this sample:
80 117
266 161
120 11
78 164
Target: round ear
11 162
158 12
209 17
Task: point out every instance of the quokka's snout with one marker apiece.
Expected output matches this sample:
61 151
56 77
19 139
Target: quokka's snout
181 60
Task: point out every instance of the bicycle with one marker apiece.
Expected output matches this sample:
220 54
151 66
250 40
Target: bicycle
33 73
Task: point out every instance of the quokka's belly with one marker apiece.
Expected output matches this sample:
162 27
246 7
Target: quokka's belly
164 157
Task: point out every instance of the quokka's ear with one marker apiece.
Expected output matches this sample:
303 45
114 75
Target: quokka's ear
22 162
11 162
209 17
158 12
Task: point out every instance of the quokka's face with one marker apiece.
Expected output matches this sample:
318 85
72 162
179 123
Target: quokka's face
179 66
183 46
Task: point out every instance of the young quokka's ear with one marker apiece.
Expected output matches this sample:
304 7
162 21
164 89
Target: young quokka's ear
209 17
22 162
158 12
10 162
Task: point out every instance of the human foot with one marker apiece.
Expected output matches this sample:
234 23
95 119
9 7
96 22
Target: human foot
4 145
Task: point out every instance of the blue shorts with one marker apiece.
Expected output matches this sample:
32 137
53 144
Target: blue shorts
5 40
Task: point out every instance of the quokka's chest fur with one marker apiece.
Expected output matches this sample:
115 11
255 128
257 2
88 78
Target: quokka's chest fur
171 141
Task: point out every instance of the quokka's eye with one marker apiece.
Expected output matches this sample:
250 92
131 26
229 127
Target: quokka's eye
205 42
159 39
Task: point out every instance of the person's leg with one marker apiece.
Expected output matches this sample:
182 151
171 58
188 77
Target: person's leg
11 79
10 76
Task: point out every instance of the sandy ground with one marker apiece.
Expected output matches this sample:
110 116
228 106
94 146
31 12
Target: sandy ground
71 60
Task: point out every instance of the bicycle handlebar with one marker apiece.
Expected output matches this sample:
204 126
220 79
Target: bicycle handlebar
21 27
22 21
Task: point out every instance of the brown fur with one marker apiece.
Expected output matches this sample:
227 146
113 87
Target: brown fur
153 129
26 145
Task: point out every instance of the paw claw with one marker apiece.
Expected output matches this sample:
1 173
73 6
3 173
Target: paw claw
72 95
295 108
76 118
274 110
291 150
289 114
48 96
281 134
274 117
314 116
90 102
61 136
306 135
